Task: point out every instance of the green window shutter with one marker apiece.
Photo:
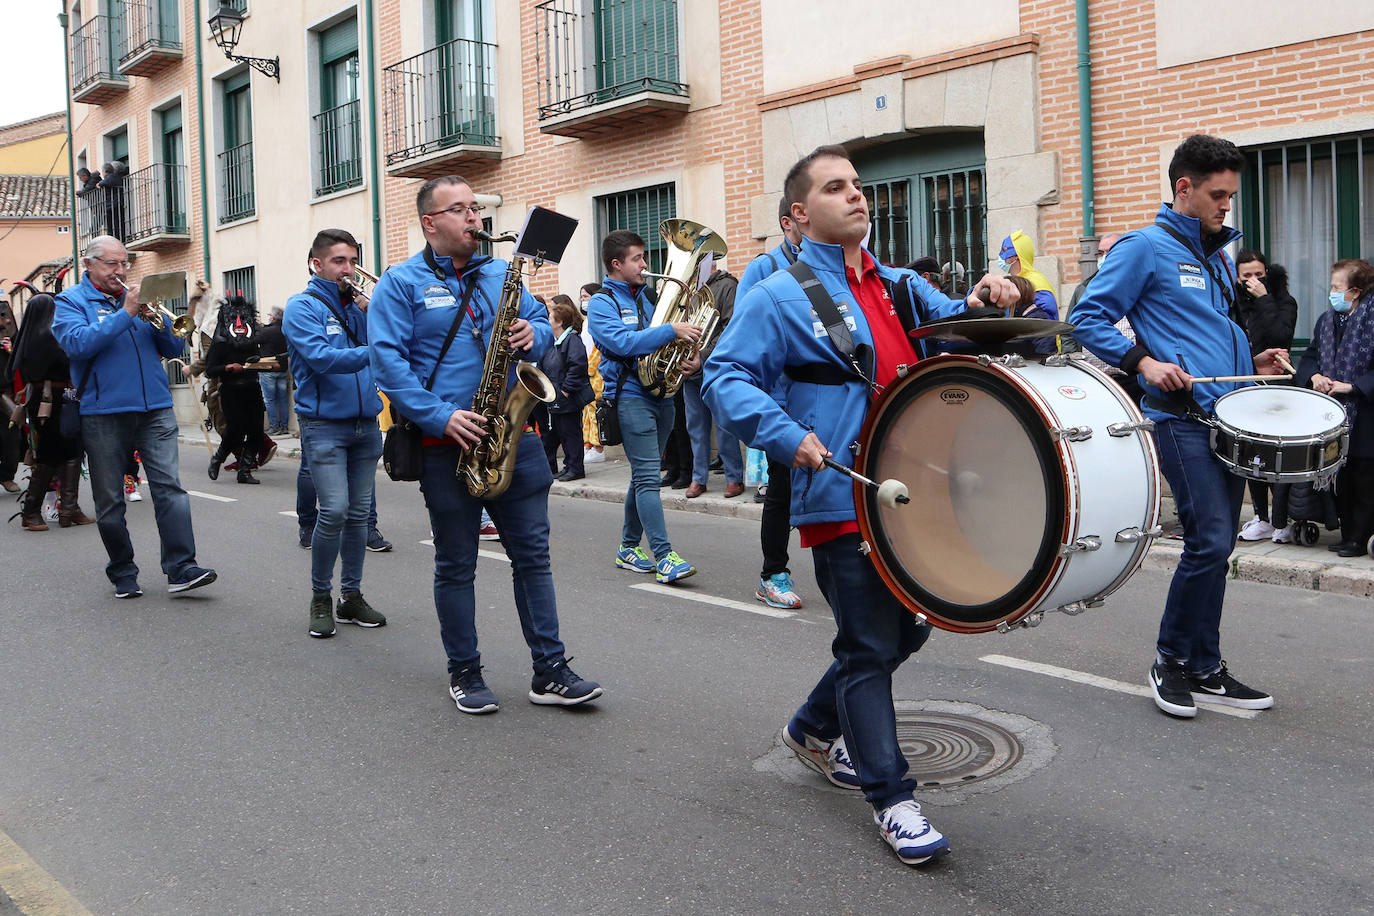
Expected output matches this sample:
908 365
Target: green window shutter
640 211
171 119
635 40
338 42
119 146
236 82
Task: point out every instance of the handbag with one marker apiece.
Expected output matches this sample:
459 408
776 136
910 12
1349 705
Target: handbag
69 421
608 420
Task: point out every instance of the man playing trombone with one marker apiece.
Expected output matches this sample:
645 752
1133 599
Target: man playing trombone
126 404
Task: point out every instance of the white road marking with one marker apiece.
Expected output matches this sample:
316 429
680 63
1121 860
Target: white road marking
218 499
1106 683
489 554
289 513
761 609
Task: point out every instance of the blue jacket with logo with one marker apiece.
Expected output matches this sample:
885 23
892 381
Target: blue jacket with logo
619 320
119 357
1174 302
770 262
333 379
774 328
410 315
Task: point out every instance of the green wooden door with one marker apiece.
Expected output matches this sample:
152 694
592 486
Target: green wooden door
636 45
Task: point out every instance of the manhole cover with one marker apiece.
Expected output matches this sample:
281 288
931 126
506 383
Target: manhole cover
948 749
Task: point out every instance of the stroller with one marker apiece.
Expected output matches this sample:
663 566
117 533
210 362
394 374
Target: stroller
1304 506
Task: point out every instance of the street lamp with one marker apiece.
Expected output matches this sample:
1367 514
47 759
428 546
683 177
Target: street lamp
225 26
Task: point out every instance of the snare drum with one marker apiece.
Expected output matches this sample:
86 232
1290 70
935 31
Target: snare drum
1034 487
1280 434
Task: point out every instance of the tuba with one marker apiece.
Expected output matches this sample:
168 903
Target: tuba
689 244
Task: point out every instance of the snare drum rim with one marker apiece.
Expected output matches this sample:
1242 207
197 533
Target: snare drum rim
1324 436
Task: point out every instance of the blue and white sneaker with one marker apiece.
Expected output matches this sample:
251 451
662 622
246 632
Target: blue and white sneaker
561 686
909 834
829 758
635 559
189 578
777 591
470 692
127 588
673 567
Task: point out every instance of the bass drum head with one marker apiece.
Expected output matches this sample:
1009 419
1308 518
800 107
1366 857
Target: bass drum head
981 534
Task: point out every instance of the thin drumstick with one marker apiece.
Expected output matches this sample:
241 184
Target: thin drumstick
1286 364
1243 378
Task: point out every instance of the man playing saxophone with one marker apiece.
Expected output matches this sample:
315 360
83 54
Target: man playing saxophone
432 320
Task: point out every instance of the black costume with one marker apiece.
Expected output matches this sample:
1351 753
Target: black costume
240 396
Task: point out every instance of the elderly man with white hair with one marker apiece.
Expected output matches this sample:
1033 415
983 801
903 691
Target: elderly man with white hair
126 404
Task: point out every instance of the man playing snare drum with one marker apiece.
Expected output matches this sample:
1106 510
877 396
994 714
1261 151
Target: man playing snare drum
1174 282
847 727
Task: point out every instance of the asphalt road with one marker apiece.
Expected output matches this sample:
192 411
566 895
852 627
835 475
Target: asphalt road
203 755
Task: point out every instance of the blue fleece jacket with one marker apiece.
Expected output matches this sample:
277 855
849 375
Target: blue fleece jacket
119 357
410 315
333 379
1174 303
774 328
770 262
619 320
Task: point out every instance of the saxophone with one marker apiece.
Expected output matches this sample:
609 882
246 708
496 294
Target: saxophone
689 244
487 467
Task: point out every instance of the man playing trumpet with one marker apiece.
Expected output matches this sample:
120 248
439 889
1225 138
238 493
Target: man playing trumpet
126 404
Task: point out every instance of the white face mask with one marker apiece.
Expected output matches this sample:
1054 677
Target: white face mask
1100 259
1340 303
1002 266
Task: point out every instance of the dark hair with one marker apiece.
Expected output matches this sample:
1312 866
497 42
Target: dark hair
798 182
1025 290
326 239
591 289
83 171
616 243
1246 255
1202 155
924 265
1359 274
784 208
424 198
566 313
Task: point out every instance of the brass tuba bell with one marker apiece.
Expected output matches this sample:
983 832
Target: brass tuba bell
690 243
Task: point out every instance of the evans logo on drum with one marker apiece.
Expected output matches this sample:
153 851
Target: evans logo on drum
1072 392
954 396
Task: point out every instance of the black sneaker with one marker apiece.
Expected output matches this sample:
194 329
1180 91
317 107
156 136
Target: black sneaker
306 537
189 578
1224 690
321 615
1172 690
353 608
471 693
561 686
128 588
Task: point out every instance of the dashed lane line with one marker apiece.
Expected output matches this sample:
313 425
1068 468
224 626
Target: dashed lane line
30 888
760 609
489 554
213 496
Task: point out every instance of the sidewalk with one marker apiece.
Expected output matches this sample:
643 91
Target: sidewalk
1313 568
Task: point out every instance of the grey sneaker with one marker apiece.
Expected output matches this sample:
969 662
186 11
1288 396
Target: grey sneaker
355 609
321 615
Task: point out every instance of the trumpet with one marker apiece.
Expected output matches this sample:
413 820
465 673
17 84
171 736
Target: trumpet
157 315
363 281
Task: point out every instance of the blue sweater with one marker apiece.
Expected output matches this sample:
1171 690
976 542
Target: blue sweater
619 320
117 356
333 380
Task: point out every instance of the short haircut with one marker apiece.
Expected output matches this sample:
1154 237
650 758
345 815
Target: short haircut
96 246
424 198
798 182
83 171
1202 155
784 208
566 313
326 239
591 289
1359 274
1246 255
616 243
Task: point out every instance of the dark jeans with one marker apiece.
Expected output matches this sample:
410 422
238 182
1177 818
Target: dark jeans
698 418
566 430
343 464
1355 499
776 528
1208 500
1259 498
275 398
110 439
676 451
874 635
522 516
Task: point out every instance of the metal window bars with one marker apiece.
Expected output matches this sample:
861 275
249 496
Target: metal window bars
155 202
640 211
442 97
145 27
339 134
235 168
95 47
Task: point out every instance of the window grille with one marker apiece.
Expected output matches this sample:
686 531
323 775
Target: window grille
639 211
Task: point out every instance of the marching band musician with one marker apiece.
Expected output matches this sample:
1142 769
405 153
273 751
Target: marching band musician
846 729
126 404
450 292
337 407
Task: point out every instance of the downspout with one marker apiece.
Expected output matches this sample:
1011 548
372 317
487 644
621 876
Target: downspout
71 154
1087 251
200 138
377 254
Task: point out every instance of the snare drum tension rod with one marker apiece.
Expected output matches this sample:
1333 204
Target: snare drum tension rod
891 493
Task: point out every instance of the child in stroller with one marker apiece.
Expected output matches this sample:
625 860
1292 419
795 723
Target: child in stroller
1300 507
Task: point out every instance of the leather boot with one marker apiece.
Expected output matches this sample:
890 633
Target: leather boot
69 484
31 510
246 471
216 460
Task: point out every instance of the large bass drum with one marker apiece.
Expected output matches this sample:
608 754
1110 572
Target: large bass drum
1034 487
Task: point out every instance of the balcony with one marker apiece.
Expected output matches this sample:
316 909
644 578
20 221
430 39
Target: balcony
339 135
95 71
235 170
151 42
616 66
155 200
441 110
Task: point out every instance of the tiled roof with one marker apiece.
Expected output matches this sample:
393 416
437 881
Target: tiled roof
35 196
44 126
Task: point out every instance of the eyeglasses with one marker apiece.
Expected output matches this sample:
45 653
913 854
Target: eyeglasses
459 209
113 263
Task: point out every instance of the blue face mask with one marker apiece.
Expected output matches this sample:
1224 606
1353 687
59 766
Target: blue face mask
1002 265
1339 303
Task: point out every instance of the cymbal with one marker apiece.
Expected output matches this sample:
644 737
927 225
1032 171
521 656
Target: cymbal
990 330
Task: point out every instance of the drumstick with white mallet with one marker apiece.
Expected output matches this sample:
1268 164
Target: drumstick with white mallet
891 493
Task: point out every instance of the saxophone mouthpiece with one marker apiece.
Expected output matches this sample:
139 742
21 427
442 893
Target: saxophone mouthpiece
481 234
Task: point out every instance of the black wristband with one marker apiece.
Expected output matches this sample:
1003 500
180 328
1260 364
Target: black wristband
1132 359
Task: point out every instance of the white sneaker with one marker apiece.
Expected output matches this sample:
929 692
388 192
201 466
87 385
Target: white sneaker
829 758
909 834
592 456
1283 535
1257 529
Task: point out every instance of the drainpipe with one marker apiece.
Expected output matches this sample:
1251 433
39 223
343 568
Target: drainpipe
1087 244
378 256
71 154
200 138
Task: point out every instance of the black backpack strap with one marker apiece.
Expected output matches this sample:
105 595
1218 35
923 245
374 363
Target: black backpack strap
907 313
1180 404
335 312
1226 294
829 314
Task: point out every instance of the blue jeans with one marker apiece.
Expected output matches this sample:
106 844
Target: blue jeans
307 510
874 635
1208 500
522 516
274 398
644 428
110 442
343 465
699 430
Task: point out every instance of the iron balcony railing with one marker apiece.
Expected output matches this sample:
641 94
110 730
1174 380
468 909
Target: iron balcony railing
146 27
155 198
235 168
102 211
443 97
339 132
95 46
619 48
